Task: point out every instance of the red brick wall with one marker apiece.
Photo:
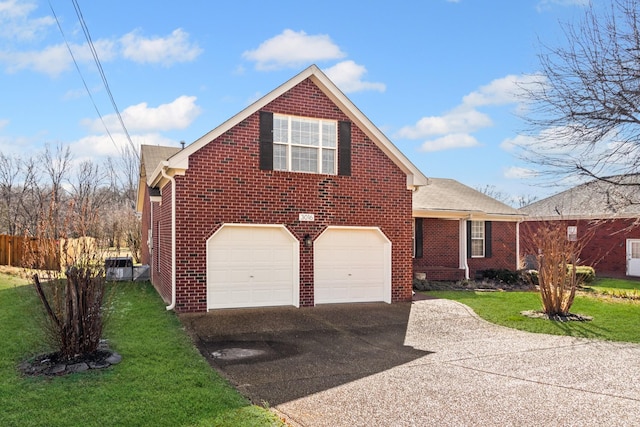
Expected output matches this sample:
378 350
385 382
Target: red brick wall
441 240
503 250
225 185
440 243
606 247
161 263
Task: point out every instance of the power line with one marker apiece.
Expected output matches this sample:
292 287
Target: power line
95 106
85 29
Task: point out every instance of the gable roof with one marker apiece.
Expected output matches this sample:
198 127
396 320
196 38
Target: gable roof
613 197
179 162
150 157
447 198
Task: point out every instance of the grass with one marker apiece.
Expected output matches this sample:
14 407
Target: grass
616 287
162 380
613 319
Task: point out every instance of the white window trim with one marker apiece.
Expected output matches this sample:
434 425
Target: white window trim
320 148
478 238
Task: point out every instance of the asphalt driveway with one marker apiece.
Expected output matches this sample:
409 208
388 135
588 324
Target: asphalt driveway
430 362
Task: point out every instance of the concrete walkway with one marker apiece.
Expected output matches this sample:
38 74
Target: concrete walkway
480 374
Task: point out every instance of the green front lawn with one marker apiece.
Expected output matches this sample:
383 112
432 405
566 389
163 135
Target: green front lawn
162 380
613 319
615 287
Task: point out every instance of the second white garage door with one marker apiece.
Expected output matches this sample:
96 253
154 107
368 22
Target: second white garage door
252 266
352 264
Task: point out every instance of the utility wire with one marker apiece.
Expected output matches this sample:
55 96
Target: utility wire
95 106
85 29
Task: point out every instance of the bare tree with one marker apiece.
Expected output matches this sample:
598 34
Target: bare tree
17 180
10 171
556 256
493 192
56 167
33 199
585 108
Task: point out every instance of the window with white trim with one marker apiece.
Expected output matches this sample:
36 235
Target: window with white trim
477 239
303 144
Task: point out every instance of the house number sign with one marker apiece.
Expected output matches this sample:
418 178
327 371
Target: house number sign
306 217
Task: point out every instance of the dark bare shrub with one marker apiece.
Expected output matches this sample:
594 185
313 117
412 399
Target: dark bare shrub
72 296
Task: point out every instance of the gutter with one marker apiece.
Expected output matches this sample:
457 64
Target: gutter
163 170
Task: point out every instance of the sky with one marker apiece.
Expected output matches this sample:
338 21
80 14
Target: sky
439 77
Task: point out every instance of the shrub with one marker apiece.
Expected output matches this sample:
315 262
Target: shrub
556 257
584 273
502 275
73 300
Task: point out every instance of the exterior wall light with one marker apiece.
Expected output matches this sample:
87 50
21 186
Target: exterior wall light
308 241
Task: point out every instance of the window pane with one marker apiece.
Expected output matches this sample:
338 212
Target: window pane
329 134
477 248
280 129
279 157
305 132
304 159
477 230
635 250
329 161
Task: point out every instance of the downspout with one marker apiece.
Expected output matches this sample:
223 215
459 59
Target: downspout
518 266
173 236
465 250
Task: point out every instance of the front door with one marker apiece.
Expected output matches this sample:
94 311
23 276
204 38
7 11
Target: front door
633 257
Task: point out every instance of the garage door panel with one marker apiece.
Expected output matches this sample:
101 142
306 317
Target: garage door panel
252 266
352 265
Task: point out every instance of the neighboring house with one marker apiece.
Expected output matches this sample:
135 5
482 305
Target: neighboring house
460 231
605 213
296 200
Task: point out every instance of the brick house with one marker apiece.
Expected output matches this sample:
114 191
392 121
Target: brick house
604 213
296 200
460 231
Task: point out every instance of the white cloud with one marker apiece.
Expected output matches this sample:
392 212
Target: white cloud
511 144
548 4
55 59
516 172
448 142
3 123
347 75
175 115
52 60
457 122
15 23
159 50
467 117
291 49
502 91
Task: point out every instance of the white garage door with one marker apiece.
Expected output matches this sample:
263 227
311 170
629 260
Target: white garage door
252 266
352 264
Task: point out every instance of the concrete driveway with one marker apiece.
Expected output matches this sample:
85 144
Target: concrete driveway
430 362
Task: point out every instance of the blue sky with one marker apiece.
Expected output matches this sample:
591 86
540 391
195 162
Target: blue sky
438 77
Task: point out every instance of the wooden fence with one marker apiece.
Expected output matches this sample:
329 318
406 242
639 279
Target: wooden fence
13 251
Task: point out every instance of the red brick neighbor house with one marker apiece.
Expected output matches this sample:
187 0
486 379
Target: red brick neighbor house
607 212
296 200
460 231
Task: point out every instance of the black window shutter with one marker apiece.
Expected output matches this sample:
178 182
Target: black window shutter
468 239
487 239
418 237
266 140
344 148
